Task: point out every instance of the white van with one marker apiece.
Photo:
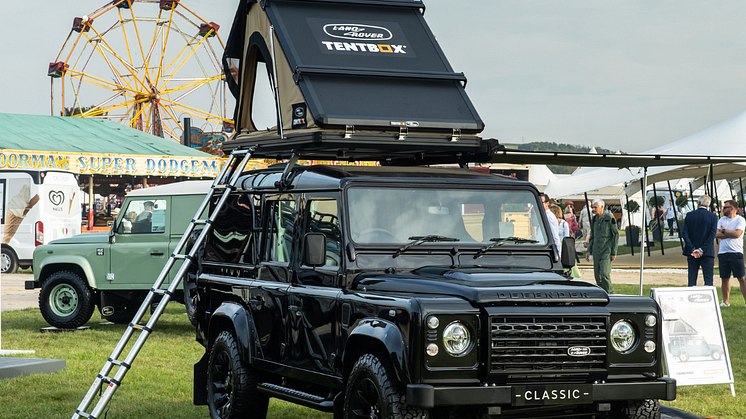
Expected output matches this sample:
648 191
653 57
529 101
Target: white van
37 206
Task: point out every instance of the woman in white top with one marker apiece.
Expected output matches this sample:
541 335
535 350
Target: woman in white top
563 229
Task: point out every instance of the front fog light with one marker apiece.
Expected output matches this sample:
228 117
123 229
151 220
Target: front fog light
432 349
456 339
649 346
622 336
650 320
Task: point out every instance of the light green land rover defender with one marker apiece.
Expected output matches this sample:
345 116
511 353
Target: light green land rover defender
115 270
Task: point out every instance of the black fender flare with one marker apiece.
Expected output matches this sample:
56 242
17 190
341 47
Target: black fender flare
232 315
389 336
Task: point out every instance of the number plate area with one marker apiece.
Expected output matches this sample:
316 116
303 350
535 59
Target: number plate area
539 395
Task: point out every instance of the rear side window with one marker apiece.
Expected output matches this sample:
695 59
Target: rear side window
234 238
281 218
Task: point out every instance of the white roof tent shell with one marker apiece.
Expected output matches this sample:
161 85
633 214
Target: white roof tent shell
353 79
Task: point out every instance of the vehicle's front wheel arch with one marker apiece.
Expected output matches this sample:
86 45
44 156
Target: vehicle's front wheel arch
233 318
386 340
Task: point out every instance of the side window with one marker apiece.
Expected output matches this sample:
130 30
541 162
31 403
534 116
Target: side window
323 218
144 216
280 230
233 237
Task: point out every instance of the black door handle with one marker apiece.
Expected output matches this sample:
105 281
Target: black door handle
156 253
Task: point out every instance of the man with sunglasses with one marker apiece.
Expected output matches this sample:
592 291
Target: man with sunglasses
730 256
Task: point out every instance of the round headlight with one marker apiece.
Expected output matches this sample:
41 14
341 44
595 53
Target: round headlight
456 339
650 320
433 322
622 336
432 349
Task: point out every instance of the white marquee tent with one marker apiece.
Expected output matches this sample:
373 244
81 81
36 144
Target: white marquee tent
725 139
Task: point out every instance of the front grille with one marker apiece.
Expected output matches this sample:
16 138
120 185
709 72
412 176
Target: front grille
539 344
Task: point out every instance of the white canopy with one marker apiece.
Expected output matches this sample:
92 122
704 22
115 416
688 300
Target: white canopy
727 138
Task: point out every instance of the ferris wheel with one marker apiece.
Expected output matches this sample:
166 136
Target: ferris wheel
144 63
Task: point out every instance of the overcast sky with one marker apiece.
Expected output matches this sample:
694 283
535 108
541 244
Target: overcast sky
620 74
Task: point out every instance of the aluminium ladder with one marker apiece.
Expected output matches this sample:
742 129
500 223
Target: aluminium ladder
224 182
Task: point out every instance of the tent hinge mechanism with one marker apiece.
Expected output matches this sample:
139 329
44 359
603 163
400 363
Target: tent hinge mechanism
403 132
456 135
349 131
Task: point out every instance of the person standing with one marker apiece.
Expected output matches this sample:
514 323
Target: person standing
730 256
553 224
698 235
585 223
670 217
602 244
563 228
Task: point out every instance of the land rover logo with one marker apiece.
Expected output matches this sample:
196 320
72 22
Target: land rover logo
699 298
107 311
356 32
578 351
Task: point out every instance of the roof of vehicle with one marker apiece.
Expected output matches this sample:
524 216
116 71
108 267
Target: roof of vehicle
189 187
331 177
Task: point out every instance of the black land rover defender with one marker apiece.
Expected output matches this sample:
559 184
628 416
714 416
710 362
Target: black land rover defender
410 292
393 292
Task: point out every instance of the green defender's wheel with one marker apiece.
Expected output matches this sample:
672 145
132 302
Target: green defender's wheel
231 385
65 300
373 392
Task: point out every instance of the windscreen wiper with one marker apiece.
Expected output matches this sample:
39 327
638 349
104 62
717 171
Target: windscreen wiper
424 239
499 241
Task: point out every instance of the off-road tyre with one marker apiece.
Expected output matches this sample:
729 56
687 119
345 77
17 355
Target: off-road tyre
372 386
716 355
65 300
636 409
231 385
9 261
683 356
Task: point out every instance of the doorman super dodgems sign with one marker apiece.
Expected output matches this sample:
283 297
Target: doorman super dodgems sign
367 37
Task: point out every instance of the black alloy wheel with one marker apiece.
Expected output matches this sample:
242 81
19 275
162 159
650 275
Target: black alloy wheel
373 392
231 386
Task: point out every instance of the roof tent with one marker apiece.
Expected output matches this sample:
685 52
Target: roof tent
357 80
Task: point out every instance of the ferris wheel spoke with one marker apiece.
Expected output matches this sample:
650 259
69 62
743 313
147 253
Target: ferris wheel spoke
139 43
198 113
126 39
111 51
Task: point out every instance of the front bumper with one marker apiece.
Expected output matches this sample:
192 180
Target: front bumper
426 396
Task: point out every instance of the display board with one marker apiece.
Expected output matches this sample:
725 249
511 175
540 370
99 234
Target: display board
695 349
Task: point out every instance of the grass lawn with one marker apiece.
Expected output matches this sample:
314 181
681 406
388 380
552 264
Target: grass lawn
160 382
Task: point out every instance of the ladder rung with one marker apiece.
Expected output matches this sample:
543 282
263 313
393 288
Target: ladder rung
109 380
182 256
84 414
120 363
141 327
224 186
161 291
201 222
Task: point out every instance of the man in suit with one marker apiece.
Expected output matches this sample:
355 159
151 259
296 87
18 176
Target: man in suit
699 233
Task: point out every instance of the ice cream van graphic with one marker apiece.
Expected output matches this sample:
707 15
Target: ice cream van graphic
37 206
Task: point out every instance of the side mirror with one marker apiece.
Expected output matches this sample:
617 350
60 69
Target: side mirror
314 249
568 252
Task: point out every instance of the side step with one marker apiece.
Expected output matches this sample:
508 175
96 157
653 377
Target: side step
305 399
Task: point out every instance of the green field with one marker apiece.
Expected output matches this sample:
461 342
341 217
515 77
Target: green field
160 382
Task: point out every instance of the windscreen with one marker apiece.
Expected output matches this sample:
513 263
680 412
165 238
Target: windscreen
473 216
